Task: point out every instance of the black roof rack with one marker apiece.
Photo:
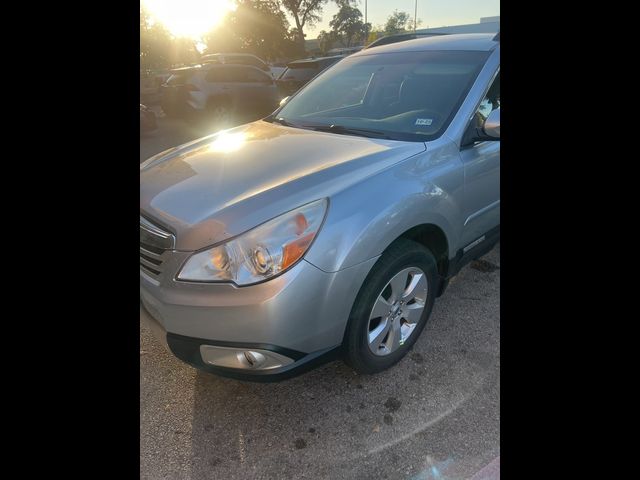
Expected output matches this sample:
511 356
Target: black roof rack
497 37
401 37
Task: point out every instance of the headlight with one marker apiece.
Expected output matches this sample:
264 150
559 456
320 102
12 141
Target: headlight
261 253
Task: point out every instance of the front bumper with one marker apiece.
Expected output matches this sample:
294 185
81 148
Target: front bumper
301 314
189 350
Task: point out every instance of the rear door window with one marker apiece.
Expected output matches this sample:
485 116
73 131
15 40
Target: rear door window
217 75
257 76
177 79
238 74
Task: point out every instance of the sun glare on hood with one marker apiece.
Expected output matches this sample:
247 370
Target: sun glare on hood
228 142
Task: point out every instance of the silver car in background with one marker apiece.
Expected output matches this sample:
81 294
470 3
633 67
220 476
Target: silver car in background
219 93
330 227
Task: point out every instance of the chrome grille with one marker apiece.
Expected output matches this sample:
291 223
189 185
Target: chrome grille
154 242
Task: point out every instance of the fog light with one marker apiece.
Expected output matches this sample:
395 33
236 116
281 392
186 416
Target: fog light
230 357
255 359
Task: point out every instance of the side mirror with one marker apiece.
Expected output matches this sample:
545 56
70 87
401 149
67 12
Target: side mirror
491 125
489 131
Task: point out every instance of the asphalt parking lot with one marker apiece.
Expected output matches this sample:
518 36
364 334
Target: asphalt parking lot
435 415
170 132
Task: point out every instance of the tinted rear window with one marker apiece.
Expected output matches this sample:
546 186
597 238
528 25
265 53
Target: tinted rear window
300 73
246 75
217 75
330 61
305 71
245 61
257 76
236 74
179 78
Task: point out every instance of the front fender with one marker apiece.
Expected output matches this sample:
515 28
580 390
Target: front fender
366 218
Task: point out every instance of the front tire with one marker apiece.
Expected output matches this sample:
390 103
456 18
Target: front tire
392 307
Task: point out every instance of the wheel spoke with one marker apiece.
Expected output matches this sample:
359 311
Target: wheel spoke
395 336
398 285
380 308
413 312
378 334
407 330
417 287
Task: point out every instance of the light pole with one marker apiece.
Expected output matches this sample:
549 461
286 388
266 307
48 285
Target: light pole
415 17
366 26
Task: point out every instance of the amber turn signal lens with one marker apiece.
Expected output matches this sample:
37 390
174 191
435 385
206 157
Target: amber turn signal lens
294 250
301 224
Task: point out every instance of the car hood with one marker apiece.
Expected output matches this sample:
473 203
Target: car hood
225 184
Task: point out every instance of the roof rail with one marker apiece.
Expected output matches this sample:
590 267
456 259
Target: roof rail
497 37
401 37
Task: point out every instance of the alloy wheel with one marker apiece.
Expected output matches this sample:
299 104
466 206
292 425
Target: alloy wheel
397 311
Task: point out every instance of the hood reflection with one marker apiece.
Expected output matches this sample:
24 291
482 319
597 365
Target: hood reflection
226 142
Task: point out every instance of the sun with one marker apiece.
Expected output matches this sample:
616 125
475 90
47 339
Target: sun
189 18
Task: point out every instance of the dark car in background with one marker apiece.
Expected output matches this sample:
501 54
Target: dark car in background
217 93
235 59
239 59
299 72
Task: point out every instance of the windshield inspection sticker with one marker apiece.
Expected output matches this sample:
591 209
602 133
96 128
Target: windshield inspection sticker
424 121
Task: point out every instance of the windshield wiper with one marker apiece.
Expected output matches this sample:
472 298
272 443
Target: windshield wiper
280 120
339 129
342 130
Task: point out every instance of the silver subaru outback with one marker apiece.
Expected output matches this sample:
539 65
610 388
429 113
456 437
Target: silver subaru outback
330 227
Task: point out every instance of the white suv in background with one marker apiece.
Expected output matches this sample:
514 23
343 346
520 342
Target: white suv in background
241 59
219 92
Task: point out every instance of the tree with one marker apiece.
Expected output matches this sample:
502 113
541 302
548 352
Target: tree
347 25
159 49
325 41
155 43
262 26
305 13
256 26
183 51
399 22
222 38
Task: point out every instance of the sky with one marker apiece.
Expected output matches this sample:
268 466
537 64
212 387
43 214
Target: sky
433 13
193 18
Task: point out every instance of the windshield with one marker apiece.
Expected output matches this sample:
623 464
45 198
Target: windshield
404 96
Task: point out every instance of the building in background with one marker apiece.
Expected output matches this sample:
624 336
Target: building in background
486 25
